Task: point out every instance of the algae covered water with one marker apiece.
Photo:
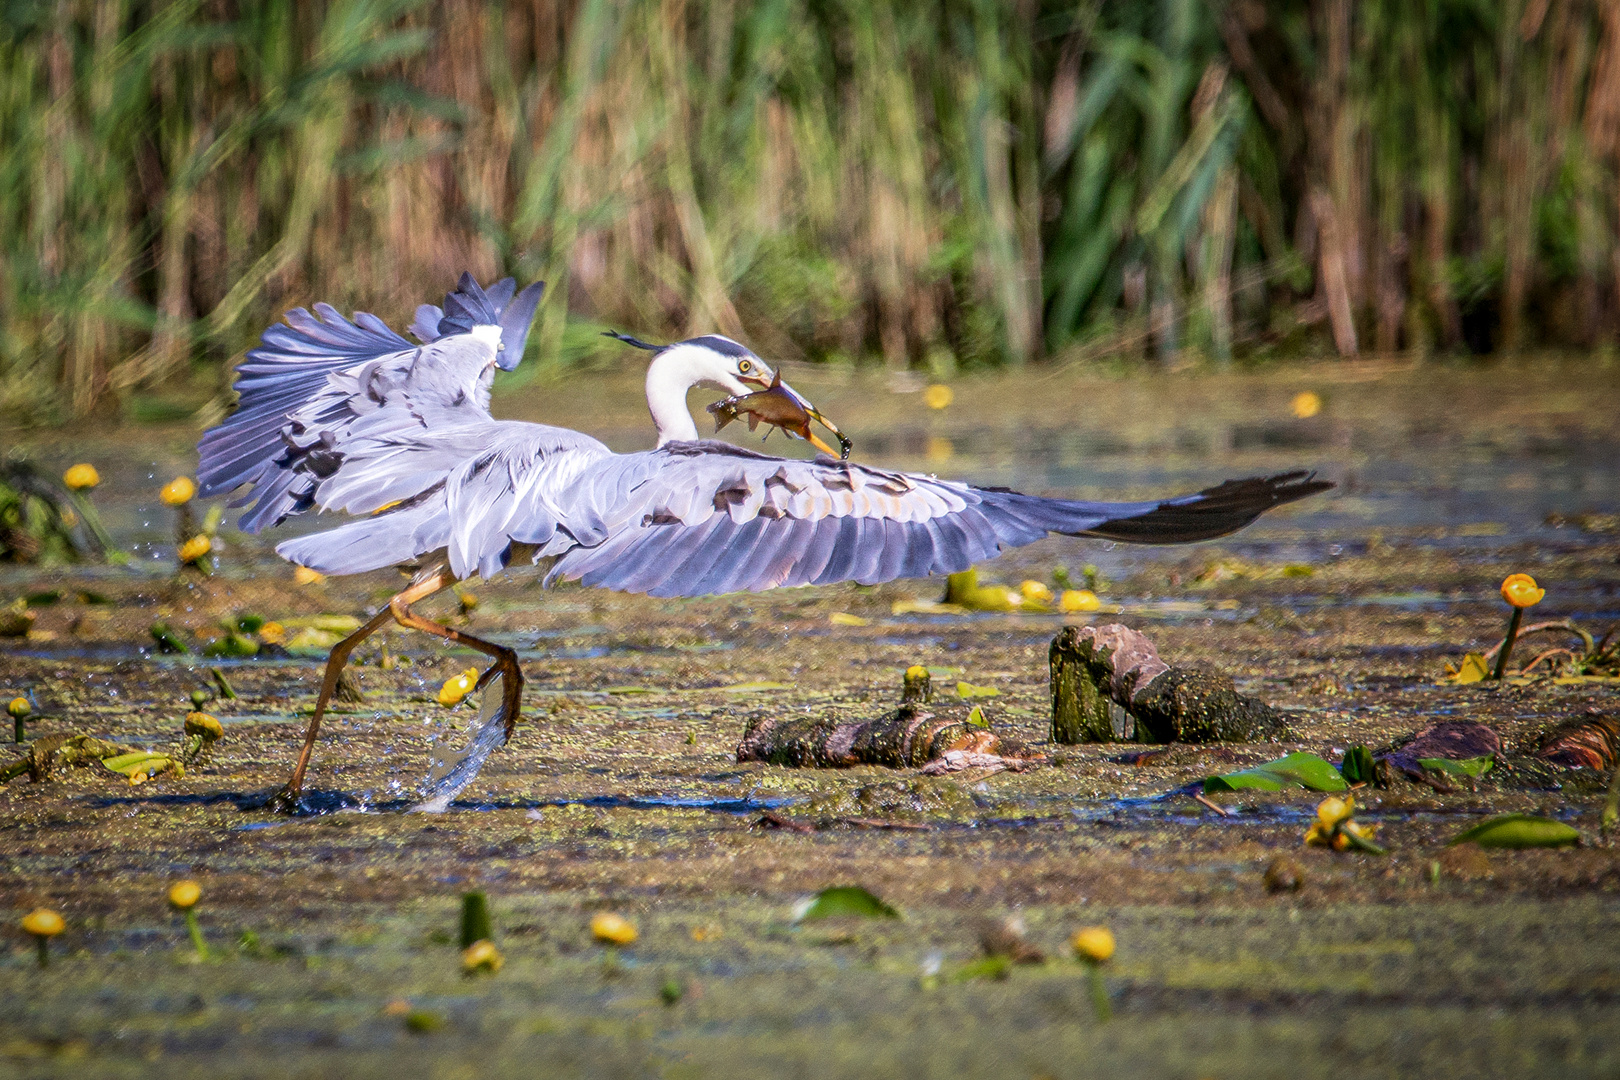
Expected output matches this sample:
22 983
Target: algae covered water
333 935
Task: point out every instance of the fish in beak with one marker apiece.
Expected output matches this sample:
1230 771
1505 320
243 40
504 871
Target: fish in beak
784 407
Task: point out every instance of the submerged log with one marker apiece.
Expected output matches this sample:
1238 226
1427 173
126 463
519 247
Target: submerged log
943 738
1109 684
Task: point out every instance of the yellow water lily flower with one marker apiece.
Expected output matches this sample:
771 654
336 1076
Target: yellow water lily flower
481 956
80 476
1341 839
195 548
1079 600
939 396
204 726
179 491
1036 591
43 923
303 575
272 633
1307 404
1520 590
19 708
1094 944
184 894
1333 810
614 929
458 687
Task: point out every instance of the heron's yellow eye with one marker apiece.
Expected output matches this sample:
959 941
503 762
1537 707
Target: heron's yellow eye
744 366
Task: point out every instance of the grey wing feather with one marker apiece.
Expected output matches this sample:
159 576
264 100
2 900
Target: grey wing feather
493 485
696 518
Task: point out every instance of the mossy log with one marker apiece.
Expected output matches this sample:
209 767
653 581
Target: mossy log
908 737
1109 684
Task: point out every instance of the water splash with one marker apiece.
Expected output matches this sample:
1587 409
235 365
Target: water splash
452 769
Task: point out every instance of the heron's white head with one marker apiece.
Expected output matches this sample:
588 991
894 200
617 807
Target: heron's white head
712 361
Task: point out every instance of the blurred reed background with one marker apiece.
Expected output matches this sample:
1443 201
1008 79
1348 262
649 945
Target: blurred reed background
936 184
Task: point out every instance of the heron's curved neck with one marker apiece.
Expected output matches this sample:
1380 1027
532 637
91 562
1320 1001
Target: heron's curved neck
672 373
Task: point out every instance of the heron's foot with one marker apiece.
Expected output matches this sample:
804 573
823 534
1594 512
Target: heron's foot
511 690
287 801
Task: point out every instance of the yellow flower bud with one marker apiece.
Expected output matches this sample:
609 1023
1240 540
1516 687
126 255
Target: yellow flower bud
915 671
481 956
19 708
195 548
1307 404
458 687
203 725
184 894
1093 943
272 633
1079 600
303 575
43 923
81 476
1520 590
614 929
939 396
179 491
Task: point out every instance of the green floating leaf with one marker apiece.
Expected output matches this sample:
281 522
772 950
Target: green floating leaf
1357 767
988 967
843 900
968 690
976 717
1519 831
1472 767
238 646
753 687
1298 769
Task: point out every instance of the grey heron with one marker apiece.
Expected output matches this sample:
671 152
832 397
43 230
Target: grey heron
349 416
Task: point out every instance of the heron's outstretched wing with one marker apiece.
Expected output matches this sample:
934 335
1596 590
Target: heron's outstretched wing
691 519
303 389
471 490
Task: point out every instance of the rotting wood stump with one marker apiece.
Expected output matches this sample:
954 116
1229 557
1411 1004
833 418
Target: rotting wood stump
1110 685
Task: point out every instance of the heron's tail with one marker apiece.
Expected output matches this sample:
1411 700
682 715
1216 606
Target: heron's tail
1205 515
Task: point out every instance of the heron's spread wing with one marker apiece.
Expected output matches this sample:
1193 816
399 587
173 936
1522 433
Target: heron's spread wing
309 382
691 519
471 490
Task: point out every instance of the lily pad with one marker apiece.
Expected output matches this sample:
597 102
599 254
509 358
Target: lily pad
753 687
1519 831
843 900
1298 769
968 690
1471 767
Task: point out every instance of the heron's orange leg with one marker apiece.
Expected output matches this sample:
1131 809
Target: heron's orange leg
286 800
505 659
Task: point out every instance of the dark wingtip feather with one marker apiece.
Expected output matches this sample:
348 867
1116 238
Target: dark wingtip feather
1212 512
